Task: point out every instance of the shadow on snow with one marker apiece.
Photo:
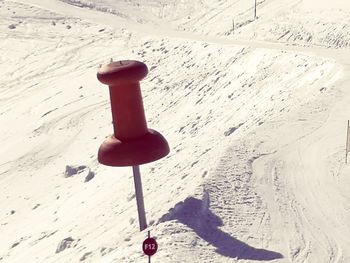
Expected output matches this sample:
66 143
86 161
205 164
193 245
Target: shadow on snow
195 214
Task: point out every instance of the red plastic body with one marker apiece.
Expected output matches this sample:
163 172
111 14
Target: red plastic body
132 143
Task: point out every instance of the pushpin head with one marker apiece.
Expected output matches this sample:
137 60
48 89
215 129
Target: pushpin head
132 143
124 71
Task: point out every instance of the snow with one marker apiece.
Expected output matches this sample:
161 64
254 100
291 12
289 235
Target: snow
324 4
256 122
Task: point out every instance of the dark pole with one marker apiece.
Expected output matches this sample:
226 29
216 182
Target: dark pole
233 26
347 140
149 236
255 10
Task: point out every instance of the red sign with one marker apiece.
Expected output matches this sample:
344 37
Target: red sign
149 246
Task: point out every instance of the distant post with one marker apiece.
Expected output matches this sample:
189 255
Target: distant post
347 142
233 26
255 10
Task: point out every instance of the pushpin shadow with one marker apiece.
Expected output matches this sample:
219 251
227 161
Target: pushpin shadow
195 214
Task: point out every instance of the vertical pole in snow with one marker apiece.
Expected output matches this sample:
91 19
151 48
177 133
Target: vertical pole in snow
139 197
149 236
233 26
255 10
347 143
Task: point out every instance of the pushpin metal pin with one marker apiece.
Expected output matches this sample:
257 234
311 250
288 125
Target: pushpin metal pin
139 197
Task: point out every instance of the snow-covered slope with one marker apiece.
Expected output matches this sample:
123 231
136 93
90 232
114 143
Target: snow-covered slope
305 22
256 170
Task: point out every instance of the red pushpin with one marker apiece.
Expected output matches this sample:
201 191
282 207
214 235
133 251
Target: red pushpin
132 143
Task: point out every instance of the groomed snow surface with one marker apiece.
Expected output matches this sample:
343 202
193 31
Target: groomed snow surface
255 118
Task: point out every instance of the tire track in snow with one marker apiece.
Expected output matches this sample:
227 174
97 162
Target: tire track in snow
300 213
207 19
46 148
234 197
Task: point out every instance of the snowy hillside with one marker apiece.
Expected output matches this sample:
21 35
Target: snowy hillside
306 22
256 122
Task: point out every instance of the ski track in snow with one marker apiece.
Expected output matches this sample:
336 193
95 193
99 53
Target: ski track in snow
264 198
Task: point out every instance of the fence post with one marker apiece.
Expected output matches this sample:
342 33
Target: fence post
347 143
233 26
255 10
